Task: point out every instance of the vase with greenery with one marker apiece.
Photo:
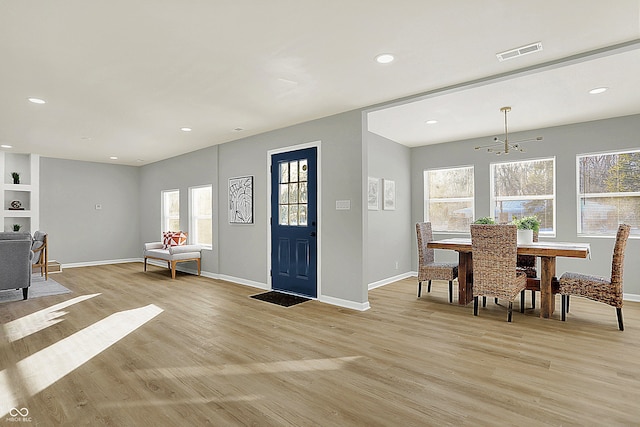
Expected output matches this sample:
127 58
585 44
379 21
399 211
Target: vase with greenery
16 227
484 220
16 177
527 225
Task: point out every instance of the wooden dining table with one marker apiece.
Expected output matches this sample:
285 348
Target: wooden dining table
546 251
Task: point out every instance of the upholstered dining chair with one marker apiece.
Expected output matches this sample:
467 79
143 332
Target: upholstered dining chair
495 250
428 269
608 291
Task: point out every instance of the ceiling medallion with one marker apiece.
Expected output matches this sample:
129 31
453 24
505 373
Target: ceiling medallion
504 146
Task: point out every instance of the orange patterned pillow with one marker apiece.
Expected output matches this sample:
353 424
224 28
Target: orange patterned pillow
173 238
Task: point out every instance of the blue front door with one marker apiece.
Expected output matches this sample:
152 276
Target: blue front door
294 249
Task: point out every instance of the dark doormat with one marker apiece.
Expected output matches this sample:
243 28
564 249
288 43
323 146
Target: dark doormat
280 298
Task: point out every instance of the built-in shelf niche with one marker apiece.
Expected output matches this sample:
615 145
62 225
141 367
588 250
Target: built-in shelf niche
20 163
26 192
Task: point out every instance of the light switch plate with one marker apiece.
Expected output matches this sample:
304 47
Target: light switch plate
343 205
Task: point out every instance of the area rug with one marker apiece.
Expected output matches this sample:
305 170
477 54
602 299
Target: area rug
280 298
39 288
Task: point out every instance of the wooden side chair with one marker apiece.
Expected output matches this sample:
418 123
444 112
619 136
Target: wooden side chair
40 253
608 291
428 269
495 251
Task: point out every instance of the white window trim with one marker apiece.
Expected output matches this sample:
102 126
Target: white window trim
427 199
493 199
596 195
192 218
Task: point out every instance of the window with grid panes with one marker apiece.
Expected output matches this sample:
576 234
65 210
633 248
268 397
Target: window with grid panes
292 197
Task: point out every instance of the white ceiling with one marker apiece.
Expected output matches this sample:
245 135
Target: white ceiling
122 77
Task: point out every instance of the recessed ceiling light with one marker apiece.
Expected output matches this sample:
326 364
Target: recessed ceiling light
139 160
238 129
431 122
6 146
113 158
185 129
37 101
598 90
384 58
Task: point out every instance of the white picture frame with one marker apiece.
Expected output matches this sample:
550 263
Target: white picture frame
389 195
373 194
241 200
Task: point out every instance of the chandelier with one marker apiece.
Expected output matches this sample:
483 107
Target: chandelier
504 146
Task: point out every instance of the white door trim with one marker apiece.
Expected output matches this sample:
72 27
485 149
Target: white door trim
270 153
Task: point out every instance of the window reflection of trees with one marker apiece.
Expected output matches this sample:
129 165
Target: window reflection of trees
609 190
449 198
525 188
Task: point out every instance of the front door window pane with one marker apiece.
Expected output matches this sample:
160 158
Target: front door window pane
284 172
303 192
293 193
284 194
284 215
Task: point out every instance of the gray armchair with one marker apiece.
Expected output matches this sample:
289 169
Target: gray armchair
15 261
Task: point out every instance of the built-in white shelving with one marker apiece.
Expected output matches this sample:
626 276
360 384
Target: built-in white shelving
26 193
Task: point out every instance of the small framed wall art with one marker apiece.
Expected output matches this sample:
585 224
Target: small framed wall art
241 200
373 194
389 196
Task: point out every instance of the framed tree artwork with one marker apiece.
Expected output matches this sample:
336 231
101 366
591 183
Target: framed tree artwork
373 194
389 195
241 200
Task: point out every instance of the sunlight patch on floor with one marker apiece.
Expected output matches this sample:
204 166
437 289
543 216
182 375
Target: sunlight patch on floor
331 364
35 322
40 370
166 402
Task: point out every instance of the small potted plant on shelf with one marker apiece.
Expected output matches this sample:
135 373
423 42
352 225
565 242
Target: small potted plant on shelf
16 177
527 225
484 220
16 227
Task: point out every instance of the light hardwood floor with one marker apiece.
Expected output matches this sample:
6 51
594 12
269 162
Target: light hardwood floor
214 356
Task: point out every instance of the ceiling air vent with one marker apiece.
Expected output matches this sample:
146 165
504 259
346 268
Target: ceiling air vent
519 51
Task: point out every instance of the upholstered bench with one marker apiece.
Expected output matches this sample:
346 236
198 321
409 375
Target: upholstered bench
172 254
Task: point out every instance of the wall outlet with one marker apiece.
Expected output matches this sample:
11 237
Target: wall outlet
98 207
397 265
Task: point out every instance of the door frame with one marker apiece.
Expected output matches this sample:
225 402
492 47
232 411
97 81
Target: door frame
270 153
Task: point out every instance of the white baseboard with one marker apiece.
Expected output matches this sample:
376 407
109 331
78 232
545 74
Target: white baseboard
631 297
391 279
344 303
94 263
244 282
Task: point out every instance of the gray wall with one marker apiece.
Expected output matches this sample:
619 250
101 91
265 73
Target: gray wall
78 233
240 251
178 173
389 232
563 142
356 244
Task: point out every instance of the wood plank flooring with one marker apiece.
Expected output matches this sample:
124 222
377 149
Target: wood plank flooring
214 356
